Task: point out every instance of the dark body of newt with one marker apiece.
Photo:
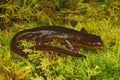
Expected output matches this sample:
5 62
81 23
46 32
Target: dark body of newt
70 37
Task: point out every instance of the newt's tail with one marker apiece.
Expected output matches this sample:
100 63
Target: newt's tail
50 48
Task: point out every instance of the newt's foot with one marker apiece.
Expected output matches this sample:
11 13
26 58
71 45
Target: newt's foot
75 50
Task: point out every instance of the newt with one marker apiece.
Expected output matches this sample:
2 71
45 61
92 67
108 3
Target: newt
71 38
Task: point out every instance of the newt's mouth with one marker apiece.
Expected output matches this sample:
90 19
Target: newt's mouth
94 45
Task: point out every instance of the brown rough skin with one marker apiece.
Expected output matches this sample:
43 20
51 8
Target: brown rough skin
42 35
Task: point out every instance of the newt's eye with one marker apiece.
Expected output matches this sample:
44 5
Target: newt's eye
98 43
94 44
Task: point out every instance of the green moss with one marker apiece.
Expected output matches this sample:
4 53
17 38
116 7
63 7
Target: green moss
97 17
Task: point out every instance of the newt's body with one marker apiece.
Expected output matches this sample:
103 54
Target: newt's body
64 35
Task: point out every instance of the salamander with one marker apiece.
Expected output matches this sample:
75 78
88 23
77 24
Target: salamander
71 38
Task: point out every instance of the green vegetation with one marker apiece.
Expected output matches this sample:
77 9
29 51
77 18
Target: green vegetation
96 16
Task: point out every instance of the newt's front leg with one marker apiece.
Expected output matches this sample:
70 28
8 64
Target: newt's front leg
71 47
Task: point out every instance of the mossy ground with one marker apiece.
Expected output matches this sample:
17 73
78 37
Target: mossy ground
100 18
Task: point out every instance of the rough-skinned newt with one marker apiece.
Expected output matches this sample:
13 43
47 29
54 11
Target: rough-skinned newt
42 35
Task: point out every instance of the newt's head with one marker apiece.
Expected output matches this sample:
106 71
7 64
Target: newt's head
90 41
